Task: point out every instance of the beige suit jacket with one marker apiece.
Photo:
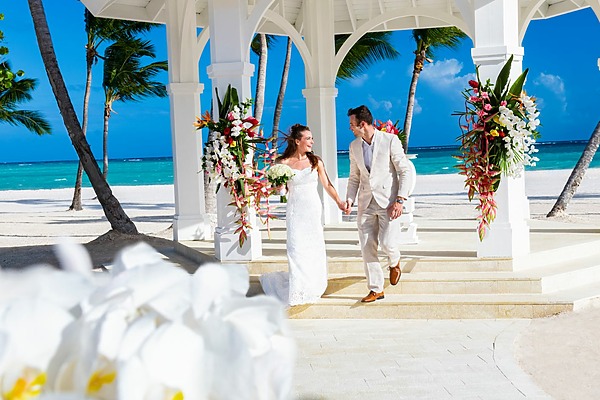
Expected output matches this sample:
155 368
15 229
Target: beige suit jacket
389 175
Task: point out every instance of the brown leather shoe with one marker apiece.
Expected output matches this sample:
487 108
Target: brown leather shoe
395 273
372 296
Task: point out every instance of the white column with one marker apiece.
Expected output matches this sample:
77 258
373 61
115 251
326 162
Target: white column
229 50
320 93
496 39
190 221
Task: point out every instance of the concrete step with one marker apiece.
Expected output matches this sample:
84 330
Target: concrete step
559 249
430 283
542 280
354 265
442 275
450 306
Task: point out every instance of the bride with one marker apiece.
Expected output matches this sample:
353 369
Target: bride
306 280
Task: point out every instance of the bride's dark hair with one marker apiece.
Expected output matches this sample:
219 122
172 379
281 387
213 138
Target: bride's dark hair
295 133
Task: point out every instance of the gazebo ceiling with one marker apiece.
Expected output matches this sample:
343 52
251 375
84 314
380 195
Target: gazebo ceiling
349 14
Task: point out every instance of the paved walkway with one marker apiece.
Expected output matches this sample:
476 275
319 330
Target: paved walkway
410 359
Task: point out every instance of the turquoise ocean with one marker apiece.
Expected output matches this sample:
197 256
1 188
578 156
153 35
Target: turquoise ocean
159 171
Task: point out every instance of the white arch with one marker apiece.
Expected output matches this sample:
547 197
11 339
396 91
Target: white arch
296 37
527 16
254 19
383 18
595 4
201 42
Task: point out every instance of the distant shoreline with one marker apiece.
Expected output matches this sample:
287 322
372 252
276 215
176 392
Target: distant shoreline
426 177
159 170
339 151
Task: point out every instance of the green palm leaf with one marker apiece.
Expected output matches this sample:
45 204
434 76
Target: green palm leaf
125 76
11 98
32 120
255 44
369 49
433 38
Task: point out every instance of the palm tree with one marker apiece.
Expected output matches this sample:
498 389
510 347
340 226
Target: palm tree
113 211
427 41
126 79
98 31
260 46
7 76
282 87
369 49
11 96
577 175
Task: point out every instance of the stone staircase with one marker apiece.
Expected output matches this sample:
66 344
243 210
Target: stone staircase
443 278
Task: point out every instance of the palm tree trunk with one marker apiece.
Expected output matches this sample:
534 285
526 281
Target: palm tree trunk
76 202
105 141
113 211
577 175
282 88
410 105
261 78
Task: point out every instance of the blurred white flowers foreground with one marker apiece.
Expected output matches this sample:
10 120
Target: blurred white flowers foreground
146 330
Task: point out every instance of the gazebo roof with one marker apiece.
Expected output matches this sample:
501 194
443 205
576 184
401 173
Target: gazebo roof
349 14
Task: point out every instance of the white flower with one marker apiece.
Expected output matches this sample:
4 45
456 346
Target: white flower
280 170
149 331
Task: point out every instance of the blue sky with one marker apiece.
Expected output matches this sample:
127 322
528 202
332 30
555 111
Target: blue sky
561 54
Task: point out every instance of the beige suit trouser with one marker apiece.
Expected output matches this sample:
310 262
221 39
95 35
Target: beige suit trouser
376 229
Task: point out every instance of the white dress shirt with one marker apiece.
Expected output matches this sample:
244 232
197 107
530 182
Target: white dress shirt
367 150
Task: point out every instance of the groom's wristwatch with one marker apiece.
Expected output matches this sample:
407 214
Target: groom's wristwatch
400 200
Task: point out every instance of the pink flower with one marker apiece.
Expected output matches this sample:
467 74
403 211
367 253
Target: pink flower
487 107
503 103
485 95
481 113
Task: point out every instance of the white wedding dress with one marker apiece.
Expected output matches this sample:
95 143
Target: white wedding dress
306 280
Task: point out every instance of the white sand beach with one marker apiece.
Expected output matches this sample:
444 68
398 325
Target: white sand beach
561 353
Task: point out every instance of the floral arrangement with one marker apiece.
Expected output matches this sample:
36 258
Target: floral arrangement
390 127
499 128
230 155
145 330
279 175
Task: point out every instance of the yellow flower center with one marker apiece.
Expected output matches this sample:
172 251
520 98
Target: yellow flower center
99 379
494 132
177 396
24 390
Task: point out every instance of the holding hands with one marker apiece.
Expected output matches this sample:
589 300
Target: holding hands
347 207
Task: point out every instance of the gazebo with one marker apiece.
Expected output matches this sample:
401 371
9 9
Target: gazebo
497 28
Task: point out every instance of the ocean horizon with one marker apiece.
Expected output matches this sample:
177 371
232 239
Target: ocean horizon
135 171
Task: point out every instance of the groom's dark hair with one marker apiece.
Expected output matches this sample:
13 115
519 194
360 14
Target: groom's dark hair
362 114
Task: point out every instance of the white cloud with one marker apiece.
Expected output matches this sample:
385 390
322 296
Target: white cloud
555 84
445 75
359 80
380 75
417 109
380 104
552 82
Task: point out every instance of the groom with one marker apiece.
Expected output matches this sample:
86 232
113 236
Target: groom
379 174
